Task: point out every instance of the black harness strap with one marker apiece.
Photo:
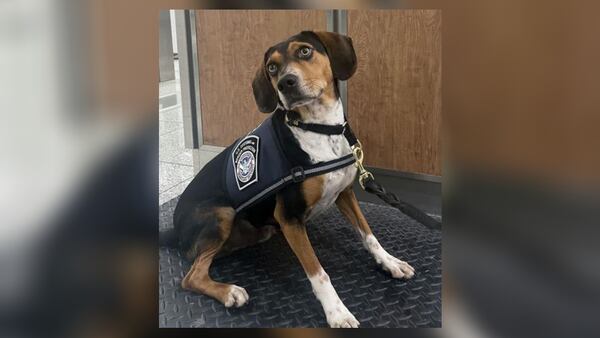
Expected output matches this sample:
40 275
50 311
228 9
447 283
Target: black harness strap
369 184
299 174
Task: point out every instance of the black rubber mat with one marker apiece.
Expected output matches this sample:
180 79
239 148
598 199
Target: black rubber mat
280 293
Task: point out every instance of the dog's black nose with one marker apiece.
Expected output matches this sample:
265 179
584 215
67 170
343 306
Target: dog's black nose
287 82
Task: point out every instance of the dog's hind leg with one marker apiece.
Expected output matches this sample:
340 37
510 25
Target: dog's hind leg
216 229
244 234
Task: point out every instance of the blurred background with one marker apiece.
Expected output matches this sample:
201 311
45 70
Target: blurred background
79 181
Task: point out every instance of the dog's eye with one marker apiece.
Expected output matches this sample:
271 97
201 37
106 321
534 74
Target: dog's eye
272 68
305 52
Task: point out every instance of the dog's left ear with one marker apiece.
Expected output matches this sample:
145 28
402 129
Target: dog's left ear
341 54
264 93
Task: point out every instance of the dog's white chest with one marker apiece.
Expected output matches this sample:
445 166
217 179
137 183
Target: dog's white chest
322 148
335 183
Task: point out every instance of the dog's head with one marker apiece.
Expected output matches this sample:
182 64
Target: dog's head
298 70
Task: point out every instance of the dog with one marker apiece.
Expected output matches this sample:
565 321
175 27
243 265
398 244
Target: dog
297 81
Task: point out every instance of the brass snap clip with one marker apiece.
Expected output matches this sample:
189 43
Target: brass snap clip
363 173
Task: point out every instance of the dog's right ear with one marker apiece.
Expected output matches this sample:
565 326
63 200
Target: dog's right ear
341 53
264 93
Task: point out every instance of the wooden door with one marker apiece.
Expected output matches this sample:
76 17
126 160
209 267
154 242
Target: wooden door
231 46
394 99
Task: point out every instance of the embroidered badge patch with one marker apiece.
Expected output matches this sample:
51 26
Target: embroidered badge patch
245 161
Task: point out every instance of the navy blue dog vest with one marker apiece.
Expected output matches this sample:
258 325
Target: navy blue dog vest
257 167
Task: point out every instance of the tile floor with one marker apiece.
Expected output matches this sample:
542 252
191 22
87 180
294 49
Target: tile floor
176 168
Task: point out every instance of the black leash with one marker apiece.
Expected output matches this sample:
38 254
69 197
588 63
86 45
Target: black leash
371 186
365 178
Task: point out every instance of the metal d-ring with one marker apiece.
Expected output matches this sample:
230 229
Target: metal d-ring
363 173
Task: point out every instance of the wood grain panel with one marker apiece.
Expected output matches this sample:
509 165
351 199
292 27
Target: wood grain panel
231 46
394 99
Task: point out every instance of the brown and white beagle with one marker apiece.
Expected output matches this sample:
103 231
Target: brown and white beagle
299 77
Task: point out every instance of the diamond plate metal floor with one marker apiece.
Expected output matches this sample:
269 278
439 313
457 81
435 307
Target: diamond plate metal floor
280 294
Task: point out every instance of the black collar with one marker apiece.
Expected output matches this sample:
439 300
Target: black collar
325 129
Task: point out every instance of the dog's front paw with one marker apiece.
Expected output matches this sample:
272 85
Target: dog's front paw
396 267
341 317
237 296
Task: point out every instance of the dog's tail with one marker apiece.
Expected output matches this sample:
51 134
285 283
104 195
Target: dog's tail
168 238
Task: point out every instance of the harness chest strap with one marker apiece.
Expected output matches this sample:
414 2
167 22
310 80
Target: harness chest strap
299 174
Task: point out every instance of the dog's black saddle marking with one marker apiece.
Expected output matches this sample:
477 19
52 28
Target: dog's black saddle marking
280 295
